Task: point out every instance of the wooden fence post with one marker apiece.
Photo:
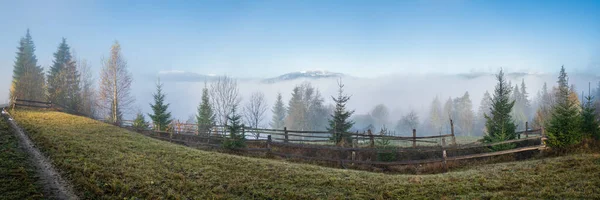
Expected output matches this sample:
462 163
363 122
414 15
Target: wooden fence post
354 152
371 138
268 145
243 132
526 129
285 134
444 160
414 138
452 132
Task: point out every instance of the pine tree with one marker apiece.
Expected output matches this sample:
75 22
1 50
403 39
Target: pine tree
317 113
295 118
161 118
463 114
564 127
277 122
525 103
139 123
64 80
205 116
499 123
340 122
545 101
236 138
590 125
28 78
517 112
56 75
484 109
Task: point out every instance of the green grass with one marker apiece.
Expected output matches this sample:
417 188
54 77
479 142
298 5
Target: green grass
106 162
17 175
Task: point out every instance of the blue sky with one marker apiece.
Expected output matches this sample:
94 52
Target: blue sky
268 38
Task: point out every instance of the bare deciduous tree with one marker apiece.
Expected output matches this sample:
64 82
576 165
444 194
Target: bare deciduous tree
254 111
115 85
224 95
88 90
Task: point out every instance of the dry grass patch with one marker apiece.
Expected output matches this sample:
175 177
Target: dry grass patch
106 162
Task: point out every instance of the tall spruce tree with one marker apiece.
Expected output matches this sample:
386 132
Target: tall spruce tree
590 125
340 122
161 118
499 123
28 78
278 120
564 127
56 75
205 116
64 79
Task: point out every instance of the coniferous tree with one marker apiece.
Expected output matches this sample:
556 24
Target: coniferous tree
28 78
463 114
57 87
484 109
205 116
278 120
295 118
564 127
161 117
340 122
317 113
590 125
525 103
140 123
545 102
236 137
499 123
518 111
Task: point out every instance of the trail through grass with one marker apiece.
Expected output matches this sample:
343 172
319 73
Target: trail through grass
17 173
106 162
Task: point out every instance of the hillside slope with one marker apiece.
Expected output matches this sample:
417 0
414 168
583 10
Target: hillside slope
106 162
17 174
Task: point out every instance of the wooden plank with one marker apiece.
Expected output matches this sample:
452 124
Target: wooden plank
28 105
31 101
491 144
496 153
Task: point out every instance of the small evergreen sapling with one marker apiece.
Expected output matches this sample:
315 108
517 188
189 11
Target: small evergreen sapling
236 138
140 122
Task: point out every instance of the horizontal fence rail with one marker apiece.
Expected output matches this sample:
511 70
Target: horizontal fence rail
319 146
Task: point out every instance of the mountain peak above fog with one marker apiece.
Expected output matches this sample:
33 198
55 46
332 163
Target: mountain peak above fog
308 74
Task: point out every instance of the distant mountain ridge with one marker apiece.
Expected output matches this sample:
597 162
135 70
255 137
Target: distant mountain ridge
313 74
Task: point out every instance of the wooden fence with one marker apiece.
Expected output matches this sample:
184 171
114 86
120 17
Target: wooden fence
441 153
318 145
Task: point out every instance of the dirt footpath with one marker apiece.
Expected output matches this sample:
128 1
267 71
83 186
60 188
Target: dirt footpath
55 187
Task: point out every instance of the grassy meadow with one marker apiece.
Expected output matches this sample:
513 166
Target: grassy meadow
107 162
17 173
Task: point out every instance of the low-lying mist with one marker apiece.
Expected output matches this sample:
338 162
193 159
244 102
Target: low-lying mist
400 93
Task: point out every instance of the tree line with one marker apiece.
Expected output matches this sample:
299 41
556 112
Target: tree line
69 82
